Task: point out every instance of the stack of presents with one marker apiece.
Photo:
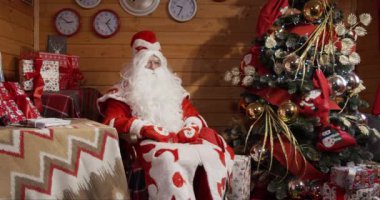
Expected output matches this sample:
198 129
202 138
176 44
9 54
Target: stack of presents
38 72
359 182
351 182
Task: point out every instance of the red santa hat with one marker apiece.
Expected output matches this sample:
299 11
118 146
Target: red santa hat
145 40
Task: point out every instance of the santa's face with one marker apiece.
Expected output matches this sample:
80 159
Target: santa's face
153 63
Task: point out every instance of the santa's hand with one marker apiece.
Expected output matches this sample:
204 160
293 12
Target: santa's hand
156 133
188 134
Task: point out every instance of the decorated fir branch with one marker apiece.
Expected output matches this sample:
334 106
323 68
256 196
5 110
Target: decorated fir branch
300 85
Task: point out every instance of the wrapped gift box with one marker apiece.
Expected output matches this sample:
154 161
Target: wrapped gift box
240 178
333 192
50 74
368 193
60 58
4 94
25 67
69 73
353 177
22 100
12 113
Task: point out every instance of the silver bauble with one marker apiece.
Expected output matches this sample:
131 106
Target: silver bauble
353 81
338 84
362 118
258 153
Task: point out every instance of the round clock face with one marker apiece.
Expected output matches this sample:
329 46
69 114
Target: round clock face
139 7
182 10
67 22
106 23
88 3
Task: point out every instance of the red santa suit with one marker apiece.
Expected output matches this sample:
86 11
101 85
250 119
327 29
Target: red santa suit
170 153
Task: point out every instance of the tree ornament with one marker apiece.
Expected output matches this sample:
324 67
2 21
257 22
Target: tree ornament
361 118
297 189
258 153
334 139
290 62
353 81
338 84
287 111
313 10
254 110
315 191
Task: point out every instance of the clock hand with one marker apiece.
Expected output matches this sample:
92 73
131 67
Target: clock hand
181 7
108 21
64 19
109 28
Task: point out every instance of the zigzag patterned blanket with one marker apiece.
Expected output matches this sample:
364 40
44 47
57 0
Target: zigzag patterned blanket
79 161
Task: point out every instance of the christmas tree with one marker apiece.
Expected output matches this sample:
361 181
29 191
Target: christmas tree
302 97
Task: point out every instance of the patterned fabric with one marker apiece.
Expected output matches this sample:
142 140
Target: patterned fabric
241 178
50 74
79 103
78 161
26 66
180 162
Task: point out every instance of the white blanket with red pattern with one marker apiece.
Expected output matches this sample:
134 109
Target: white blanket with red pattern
78 161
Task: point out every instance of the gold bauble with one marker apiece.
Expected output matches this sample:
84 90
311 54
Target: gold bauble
297 189
254 110
313 10
287 111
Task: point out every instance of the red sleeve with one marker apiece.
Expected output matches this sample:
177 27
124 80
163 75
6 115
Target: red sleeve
118 115
191 114
188 109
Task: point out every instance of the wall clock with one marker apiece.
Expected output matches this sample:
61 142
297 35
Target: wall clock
182 10
67 22
139 7
88 3
106 23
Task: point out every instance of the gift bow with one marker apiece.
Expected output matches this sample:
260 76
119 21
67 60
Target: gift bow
38 83
74 75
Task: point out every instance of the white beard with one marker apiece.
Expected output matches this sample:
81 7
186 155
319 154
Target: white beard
154 95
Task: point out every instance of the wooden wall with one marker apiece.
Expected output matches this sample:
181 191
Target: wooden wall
368 48
16 33
200 51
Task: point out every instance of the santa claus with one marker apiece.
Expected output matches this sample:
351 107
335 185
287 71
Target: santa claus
172 139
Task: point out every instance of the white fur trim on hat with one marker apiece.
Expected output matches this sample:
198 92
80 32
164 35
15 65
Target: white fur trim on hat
143 43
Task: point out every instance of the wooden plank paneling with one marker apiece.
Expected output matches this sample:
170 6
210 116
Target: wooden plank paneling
216 25
16 34
167 38
199 93
171 51
177 65
188 78
368 48
199 51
